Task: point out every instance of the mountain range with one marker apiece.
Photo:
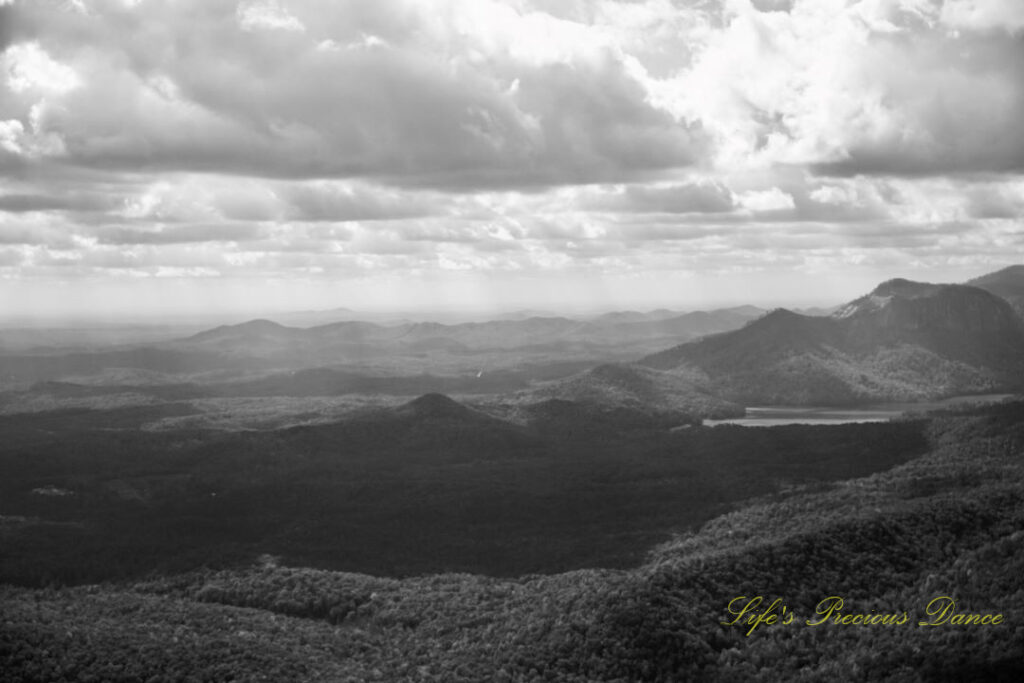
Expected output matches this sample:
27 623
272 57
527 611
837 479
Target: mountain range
1007 283
359 339
904 341
533 347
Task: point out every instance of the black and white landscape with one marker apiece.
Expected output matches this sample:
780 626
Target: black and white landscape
493 340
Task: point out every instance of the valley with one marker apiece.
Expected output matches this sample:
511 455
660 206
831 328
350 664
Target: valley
379 500
948 521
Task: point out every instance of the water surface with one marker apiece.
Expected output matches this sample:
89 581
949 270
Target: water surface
773 416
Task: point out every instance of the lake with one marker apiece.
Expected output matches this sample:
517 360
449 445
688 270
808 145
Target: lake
773 416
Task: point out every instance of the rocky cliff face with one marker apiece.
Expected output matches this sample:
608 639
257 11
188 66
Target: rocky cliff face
904 305
957 322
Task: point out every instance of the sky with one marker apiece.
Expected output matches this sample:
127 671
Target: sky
161 157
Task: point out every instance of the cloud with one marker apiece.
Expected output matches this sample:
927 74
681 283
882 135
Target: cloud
24 203
484 94
996 201
693 197
850 87
410 140
835 200
342 202
180 234
27 67
964 114
10 257
266 14
365 90
983 15
773 199
35 235
773 5
7 25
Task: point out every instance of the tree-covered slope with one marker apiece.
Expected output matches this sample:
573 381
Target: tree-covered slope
949 523
640 388
1007 283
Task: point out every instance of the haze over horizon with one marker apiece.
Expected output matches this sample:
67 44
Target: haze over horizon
241 157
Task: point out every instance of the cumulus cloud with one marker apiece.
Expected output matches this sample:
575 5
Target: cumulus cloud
307 138
693 197
461 94
490 95
857 87
766 200
266 14
28 67
983 15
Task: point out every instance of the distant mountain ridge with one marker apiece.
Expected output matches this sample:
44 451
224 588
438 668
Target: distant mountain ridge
903 341
347 339
1007 283
252 328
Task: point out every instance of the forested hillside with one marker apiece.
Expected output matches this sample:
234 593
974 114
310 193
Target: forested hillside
431 485
641 388
1007 283
905 341
947 523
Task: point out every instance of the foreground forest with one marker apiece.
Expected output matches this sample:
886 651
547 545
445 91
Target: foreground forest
948 521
